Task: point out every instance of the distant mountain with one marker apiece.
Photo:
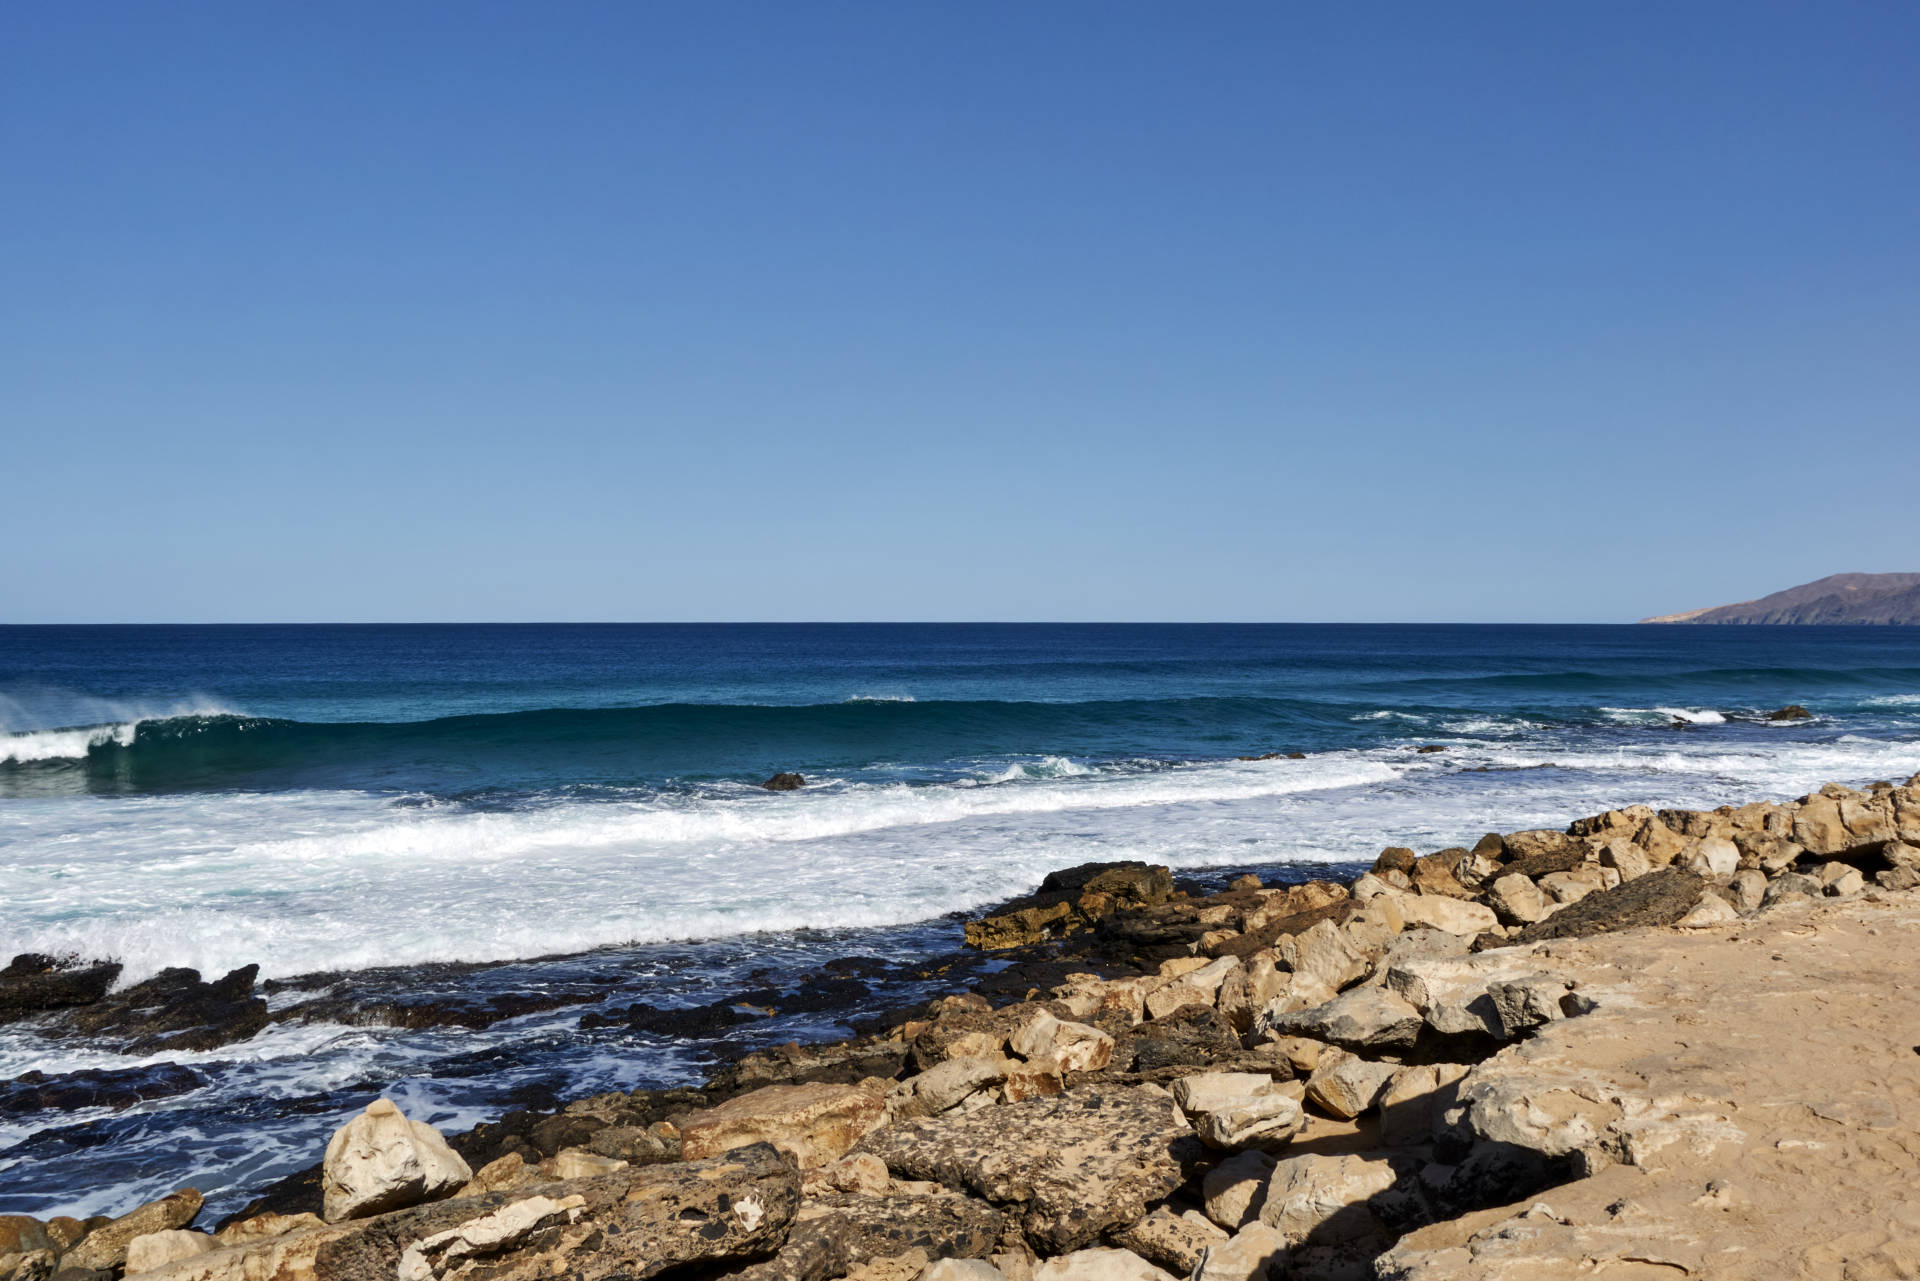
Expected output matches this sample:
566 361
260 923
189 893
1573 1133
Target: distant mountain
1838 598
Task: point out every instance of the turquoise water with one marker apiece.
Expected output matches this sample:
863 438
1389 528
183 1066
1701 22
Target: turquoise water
337 798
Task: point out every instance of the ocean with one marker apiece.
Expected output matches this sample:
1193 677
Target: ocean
583 801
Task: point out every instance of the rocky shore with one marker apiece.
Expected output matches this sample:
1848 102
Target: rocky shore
1673 1043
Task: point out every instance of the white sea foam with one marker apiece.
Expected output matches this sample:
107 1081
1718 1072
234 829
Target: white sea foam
1045 767
1663 715
1693 715
880 698
56 725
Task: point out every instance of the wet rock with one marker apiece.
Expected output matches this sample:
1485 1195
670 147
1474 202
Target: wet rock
472 1011
105 1248
1658 898
34 982
115 1088
839 1063
1791 712
1072 901
785 783
812 1124
699 1021
1071 1166
174 1011
381 1161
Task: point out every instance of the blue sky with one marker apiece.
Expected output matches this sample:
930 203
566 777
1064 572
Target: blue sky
1105 310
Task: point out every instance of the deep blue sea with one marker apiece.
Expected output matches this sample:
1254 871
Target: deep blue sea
344 797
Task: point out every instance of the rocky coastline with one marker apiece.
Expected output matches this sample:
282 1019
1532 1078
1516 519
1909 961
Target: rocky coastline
1632 1047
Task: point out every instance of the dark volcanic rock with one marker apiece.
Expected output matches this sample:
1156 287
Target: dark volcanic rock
835 1063
701 1020
34 982
1658 898
1071 901
1791 712
97 1088
175 1011
784 783
468 1011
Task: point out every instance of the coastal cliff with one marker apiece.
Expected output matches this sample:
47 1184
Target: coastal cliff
1665 1042
1838 598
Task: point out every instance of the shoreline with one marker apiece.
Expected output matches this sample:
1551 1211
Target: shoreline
1339 1045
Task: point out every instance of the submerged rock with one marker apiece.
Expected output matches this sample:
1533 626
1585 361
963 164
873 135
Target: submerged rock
785 783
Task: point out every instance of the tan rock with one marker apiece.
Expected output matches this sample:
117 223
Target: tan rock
1518 901
1572 886
814 1124
946 1270
1413 1099
1713 859
1234 1190
1075 1047
1176 1242
1626 858
1661 842
1345 1085
105 1248
1195 987
381 1161
290 1256
262 1226
1325 953
503 1174
1455 916
492 1233
1817 826
1102 1263
1034 1080
862 1174
948 1084
579 1163
158 1249
1323 1199
1254 1253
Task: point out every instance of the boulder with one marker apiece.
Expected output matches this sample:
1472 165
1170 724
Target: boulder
1072 901
1253 1254
1234 1190
105 1248
1625 858
1414 1097
1367 1018
1196 985
1659 898
1176 1242
1346 1085
1517 900
1071 1166
1073 1047
263 1226
158 1249
949 1084
1455 994
1104 1263
785 783
1713 859
381 1161
1322 1200
815 1124
1791 712
1455 916
1325 952
173 1012
862 1174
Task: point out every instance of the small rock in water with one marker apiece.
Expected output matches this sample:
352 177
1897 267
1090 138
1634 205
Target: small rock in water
785 783
1430 748
1791 712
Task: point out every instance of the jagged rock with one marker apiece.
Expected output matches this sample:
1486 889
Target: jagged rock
1072 901
1626 859
105 1248
33 982
1100 1264
381 1161
1790 886
263 1226
1455 916
1322 1200
1176 1242
1713 859
785 783
115 1088
1658 898
174 1011
814 1124
1326 953
1073 1165
1346 1085
158 1249
1195 1036
1367 1018
1254 1252
1234 1190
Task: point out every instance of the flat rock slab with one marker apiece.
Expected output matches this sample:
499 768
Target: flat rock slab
1748 1098
1071 1166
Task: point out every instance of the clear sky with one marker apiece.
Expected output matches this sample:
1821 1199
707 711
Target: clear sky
719 310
